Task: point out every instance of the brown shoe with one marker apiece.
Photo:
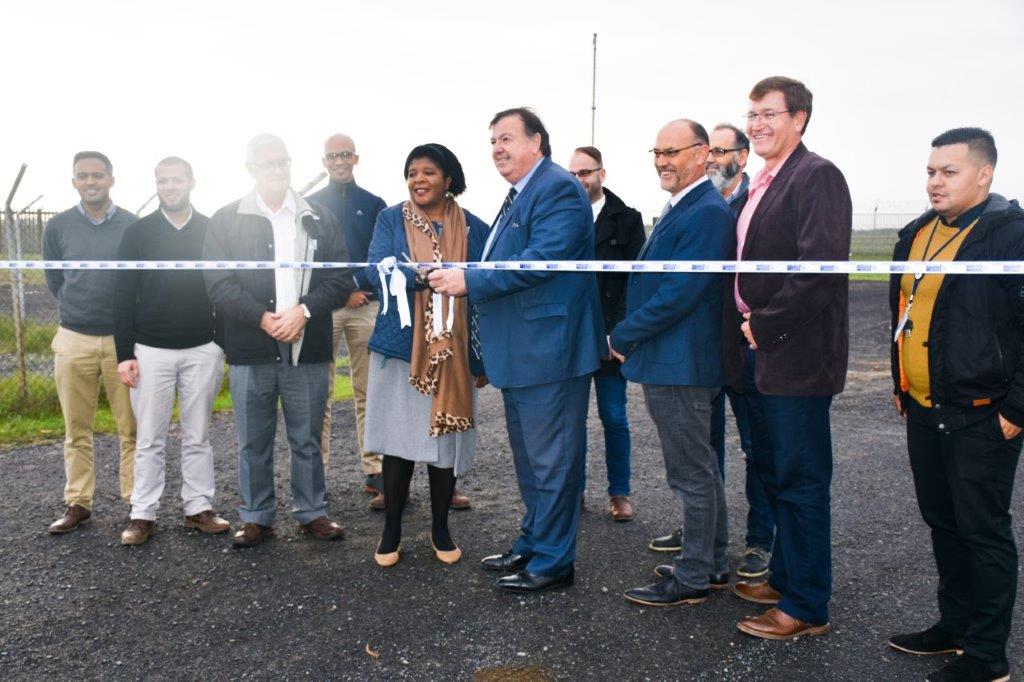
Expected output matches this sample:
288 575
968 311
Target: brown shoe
207 522
74 516
774 624
759 593
620 508
377 503
137 532
323 528
459 501
251 535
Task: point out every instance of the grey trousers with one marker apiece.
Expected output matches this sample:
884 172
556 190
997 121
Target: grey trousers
682 415
255 390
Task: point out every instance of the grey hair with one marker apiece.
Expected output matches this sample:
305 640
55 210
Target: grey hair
259 142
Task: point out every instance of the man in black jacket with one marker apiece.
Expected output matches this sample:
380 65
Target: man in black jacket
958 369
618 235
277 335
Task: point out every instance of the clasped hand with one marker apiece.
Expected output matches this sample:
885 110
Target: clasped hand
285 326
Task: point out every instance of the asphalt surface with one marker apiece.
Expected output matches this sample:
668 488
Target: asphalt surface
185 606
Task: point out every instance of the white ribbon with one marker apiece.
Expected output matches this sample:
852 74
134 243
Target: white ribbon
449 321
393 281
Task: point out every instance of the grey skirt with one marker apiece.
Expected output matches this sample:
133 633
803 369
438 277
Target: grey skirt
398 419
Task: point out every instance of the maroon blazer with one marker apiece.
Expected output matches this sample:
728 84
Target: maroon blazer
800 321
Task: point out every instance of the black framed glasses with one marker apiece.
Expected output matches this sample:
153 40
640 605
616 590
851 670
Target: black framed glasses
344 156
722 151
584 173
672 153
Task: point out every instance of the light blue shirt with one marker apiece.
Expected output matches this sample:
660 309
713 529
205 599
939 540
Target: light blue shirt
519 187
110 213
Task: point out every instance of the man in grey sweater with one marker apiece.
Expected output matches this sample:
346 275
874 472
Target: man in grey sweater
83 347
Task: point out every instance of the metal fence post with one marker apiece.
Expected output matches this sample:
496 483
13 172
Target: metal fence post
17 303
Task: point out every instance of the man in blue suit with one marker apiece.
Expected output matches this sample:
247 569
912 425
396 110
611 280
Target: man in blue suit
541 337
670 341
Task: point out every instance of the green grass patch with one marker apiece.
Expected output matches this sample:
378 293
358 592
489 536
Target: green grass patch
37 336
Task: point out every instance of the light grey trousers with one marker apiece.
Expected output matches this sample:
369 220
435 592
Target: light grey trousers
195 375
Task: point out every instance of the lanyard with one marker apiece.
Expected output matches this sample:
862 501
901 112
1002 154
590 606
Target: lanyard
905 325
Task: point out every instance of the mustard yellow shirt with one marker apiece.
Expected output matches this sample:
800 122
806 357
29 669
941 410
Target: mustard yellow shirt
945 242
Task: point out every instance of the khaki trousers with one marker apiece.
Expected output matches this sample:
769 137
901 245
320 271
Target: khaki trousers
356 325
81 362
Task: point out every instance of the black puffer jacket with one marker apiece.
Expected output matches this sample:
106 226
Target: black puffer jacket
975 345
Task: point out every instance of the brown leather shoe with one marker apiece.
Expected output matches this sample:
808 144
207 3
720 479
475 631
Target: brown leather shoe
377 503
207 522
620 508
774 624
323 528
137 532
74 516
251 535
759 593
459 501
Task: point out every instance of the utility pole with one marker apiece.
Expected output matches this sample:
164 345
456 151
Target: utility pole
593 93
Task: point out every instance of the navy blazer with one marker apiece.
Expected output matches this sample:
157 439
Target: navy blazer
672 331
539 327
388 338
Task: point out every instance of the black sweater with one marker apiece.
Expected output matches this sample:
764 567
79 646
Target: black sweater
161 308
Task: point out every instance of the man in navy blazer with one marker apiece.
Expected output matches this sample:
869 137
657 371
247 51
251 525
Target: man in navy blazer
541 337
670 342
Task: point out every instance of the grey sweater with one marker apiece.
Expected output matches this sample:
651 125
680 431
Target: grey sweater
85 298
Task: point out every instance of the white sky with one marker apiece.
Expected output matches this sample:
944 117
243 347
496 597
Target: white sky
141 80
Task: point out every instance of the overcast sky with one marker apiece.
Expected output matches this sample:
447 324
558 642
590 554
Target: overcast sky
140 81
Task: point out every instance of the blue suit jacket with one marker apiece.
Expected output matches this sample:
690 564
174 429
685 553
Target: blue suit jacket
539 327
672 331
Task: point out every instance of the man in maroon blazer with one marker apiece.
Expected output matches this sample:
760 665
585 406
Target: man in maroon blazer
786 339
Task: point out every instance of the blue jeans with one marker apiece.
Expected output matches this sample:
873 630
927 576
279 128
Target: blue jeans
611 407
792 451
760 520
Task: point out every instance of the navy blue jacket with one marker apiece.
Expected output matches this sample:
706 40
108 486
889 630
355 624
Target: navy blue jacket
672 331
539 326
356 210
388 338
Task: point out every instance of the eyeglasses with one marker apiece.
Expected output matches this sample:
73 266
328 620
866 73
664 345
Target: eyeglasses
344 156
672 153
273 164
719 151
766 116
585 172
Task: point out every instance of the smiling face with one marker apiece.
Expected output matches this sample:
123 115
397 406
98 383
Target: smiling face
957 180
593 183
724 168
270 167
427 185
774 132
682 159
340 158
174 187
514 152
92 182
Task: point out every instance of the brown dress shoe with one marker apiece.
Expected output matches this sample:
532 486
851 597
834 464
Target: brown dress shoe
459 500
74 516
137 532
251 535
759 593
620 508
377 503
323 528
207 522
774 624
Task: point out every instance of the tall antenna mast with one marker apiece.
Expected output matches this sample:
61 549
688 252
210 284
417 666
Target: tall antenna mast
593 93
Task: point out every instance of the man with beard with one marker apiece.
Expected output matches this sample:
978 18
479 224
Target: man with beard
164 336
618 235
83 347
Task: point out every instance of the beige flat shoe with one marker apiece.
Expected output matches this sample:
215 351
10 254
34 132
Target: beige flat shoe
387 560
449 556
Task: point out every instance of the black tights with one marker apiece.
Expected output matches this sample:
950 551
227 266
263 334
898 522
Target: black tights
397 476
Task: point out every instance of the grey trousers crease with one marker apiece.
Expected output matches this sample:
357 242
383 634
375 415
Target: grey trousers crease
682 416
255 390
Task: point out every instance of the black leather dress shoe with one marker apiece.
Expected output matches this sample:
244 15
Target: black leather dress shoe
716 581
524 581
667 592
507 562
673 542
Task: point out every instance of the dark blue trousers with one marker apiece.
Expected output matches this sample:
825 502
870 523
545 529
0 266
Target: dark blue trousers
792 452
547 432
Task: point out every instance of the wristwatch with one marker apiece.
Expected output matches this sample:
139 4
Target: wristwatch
305 311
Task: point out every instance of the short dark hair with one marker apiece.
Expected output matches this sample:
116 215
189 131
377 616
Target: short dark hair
592 152
531 124
796 94
978 140
176 161
444 159
698 131
94 155
742 141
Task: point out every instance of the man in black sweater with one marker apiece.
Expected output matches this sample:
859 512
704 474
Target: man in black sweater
164 336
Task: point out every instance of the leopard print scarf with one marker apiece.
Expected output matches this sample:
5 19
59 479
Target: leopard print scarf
440 362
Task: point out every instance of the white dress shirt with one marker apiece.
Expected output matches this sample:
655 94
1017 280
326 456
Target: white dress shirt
598 205
283 223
